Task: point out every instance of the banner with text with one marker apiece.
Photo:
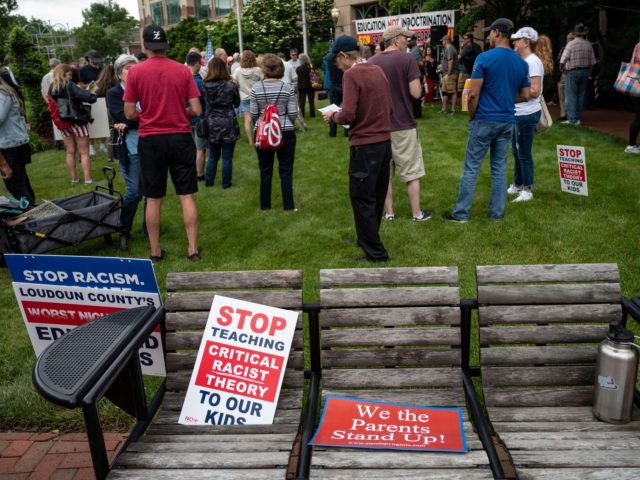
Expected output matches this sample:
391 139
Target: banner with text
572 165
369 30
358 423
56 293
240 366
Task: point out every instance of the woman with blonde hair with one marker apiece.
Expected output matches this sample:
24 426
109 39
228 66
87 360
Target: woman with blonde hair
76 136
527 116
246 76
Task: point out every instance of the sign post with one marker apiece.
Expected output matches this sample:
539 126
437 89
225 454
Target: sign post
572 165
56 293
240 366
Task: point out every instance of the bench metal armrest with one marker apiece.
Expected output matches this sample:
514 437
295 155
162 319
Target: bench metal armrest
100 359
631 309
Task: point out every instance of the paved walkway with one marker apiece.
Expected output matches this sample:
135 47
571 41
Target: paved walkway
42 456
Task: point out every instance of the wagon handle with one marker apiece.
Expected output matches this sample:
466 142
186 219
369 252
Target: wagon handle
110 174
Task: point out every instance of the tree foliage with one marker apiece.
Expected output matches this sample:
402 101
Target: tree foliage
186 34
105 28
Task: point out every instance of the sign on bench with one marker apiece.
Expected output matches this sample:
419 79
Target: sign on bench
359 423
56 293
240 365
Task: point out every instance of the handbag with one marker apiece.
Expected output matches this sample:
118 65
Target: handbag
316 84
628 81
72 111
202 128
545 117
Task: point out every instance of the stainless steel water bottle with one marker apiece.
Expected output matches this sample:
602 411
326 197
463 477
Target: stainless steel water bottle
615 376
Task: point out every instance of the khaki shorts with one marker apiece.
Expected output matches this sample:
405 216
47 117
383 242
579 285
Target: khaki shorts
450 84
406 155
461 79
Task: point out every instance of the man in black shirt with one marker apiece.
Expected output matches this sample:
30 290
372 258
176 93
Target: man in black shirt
90 73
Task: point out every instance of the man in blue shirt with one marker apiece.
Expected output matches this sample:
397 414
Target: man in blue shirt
499 79
194 64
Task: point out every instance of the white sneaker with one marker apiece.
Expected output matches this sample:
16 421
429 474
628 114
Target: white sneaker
632 149
514 189
525 196
568 122
92 151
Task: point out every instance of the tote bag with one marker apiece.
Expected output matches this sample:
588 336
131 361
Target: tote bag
545 117
628 81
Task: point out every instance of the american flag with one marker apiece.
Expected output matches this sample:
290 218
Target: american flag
209 50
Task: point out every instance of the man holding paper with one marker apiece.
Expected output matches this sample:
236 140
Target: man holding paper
366 107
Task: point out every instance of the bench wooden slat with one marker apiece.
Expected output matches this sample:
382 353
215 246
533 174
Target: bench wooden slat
431 474
548 294
258 445
390 317
538 397
530 355
288 400
168 417
571 436
218 437
234 279
366 458
578 473
600 459
186 360
388 276
517 427
402 296
544 334
541 414
613 442
187 301
197 460
197 320
184 340
554 375
581 272
178 430
453 397
391 378
390 337
390 357
191 474
601 313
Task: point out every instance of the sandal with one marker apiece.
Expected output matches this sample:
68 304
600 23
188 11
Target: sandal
389 217
194 257
157 258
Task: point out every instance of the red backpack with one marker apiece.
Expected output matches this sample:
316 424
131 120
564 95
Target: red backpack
268 129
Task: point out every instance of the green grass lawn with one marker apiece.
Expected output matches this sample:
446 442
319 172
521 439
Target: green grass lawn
235 234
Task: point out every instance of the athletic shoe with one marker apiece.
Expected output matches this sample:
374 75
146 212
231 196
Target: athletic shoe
514 189
632 149
389 217
424 215
451 218
569 122
92 150
525 196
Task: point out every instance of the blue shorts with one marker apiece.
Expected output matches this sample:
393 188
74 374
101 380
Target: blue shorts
244 107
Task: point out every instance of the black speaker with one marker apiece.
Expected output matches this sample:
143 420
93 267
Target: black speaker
437 33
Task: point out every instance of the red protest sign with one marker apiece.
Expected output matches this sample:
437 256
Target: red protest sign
358 423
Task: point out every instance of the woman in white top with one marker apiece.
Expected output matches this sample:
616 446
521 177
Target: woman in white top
245 76
528 113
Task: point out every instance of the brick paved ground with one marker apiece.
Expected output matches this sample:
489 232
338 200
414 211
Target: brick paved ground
41 456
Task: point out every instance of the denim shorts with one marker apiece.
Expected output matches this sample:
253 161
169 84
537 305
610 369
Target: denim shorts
244 107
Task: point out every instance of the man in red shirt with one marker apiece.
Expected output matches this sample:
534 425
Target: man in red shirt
156 94
366 108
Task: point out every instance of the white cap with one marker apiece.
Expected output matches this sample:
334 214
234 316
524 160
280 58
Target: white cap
526 32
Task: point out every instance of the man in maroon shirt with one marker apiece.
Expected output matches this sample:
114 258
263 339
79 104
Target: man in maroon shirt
366 108
161 88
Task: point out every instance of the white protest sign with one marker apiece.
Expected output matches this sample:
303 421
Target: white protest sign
56 293
238 373
572 165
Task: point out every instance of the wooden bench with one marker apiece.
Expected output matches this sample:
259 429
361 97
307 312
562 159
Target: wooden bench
539 330
172 451
394 334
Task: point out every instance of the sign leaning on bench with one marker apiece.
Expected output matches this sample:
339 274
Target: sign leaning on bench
359 423
240 366
56 293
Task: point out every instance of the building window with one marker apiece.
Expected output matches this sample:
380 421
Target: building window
203 9
173 11
223 7
156 13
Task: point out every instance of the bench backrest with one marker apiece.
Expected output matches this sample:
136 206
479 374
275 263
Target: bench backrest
389 329
189 298
539 330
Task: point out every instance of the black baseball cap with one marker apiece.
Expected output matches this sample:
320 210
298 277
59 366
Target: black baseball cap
503 24
155 38
344 43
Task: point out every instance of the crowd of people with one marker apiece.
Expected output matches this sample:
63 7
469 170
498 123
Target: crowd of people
181 121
